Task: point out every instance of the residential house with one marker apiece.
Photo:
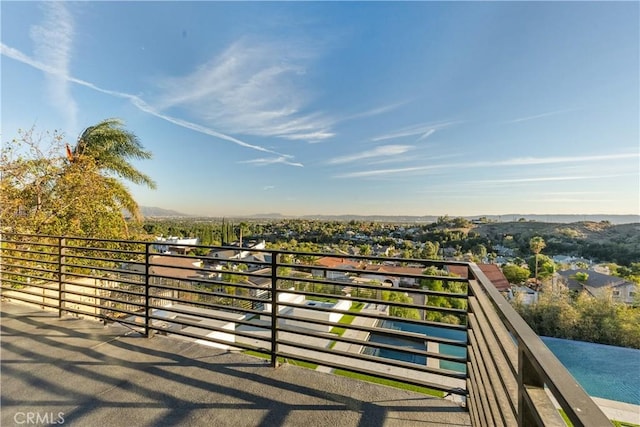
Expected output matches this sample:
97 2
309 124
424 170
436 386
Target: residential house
334 262
246 251
492 271
598 284
387 274
174 245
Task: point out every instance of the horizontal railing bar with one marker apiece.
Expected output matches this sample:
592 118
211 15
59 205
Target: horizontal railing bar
455 311
35 260
40 303
27 276
29 242
408 350
31 292
378 374
209 305
70 248
38 284
412 336
98 315
210 339
104 269
101 316
99 297
365 357
212 293
102 288
356 271
197 324
173 309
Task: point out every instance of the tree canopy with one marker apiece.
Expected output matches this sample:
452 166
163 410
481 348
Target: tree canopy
80 194
582 317
515 274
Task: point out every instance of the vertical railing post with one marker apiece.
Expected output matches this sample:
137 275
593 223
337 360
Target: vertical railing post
147 305
62 250
274 310
528 376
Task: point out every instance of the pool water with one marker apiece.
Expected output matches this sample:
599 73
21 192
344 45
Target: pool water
602 370
450 350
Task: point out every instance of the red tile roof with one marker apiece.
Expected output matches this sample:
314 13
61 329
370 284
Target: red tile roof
494 274
492 271
333 262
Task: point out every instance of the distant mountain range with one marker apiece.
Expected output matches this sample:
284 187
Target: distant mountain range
155 212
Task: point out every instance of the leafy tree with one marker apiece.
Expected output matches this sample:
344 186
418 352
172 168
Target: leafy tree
543 264
479 251
581 276
515 273
401 297
107 149
430 250
536 244
46 193
585 318
440 285
365 249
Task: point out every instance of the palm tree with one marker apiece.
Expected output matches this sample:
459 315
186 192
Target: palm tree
537 244
107 149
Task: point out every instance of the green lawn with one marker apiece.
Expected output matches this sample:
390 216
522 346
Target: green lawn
615 423
347 318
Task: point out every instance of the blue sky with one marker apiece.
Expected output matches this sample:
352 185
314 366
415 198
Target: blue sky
388 108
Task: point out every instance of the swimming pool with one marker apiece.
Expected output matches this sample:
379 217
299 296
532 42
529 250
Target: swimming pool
602 370
450 350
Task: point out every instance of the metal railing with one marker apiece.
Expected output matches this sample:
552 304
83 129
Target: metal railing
407 320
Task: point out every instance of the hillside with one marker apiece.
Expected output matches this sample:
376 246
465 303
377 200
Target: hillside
599 240
154 212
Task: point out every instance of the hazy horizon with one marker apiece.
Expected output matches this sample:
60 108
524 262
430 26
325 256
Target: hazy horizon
157 212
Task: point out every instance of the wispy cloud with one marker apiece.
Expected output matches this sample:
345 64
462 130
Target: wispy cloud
569 200
374 111
135 100
522 161
272 160
53 40
538 116
382 151
550 178
268 187
424 130
507 163
383 172
252 88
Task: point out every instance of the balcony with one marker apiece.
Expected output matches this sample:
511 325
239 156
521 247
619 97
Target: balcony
277 338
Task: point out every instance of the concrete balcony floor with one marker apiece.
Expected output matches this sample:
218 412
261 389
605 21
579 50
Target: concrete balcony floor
96 375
